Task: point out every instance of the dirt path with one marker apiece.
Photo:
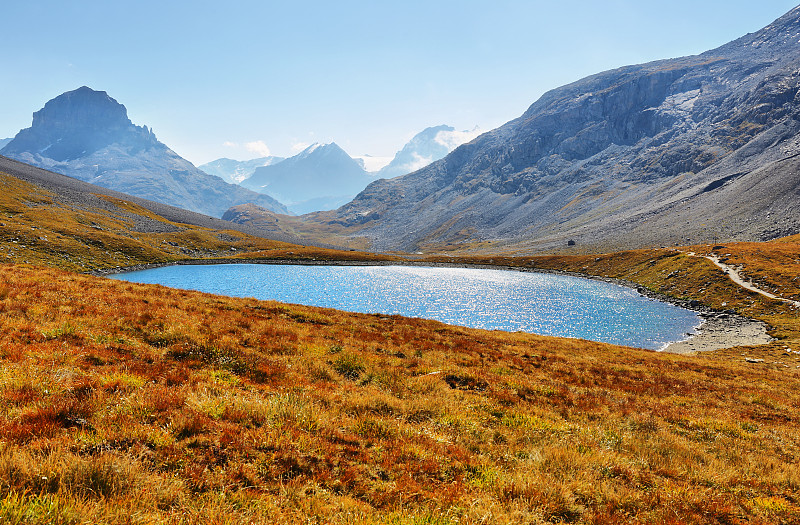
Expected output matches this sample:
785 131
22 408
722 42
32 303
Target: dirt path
735 277
724 330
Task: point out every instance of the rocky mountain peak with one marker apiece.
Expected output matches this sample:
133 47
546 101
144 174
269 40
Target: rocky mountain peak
427 146
86 134
322 176
78 123
330 149
82 108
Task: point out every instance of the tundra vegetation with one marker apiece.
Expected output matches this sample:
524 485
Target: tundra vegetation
128 403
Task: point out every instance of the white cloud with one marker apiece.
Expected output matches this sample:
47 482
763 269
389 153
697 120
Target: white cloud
258 147
453 139
229 144
419 161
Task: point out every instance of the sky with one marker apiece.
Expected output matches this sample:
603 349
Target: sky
243 79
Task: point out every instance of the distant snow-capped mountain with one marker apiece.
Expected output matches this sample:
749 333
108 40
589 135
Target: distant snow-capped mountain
429 145
235 171
321 177
372 164
86 134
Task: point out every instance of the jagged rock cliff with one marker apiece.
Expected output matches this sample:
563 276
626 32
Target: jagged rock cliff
675 151
86 134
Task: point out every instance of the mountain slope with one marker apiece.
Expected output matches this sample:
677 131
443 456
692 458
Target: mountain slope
235 171
87 134
321 177
55 220
674 151
71 193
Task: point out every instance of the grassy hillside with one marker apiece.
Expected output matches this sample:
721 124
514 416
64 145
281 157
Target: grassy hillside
36 228
126 403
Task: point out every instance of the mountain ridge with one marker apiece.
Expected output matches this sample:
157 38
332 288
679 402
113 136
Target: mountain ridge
427 146
75 193
643 155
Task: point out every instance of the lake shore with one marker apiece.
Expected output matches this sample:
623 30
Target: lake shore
718 329
722 331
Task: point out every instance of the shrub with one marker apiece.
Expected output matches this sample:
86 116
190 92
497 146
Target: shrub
349 366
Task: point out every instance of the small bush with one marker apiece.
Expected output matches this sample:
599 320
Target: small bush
349 366
372 429
66 330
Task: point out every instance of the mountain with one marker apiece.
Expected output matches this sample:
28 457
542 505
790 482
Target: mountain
235 171
321 177
73 194
686 150
427 146
86 134
3 142
372 164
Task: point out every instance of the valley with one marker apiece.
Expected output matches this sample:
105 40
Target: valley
237 410
127 403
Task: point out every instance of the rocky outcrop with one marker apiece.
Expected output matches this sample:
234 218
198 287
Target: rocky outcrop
250 214
86 134
675 151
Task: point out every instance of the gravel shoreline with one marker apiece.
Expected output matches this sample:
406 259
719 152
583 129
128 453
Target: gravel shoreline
718 329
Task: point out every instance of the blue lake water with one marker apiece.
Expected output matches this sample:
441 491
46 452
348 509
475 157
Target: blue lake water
493 299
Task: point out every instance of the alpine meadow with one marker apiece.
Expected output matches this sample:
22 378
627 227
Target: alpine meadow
125 403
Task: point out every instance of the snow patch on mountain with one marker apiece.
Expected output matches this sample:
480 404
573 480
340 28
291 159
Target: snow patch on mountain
373 164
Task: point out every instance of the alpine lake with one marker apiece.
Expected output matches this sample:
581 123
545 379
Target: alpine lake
491 299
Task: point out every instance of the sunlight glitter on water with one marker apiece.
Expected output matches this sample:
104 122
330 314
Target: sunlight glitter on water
480 298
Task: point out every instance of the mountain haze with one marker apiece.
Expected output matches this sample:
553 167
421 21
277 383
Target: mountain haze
686 150
235 171
321 177
86 134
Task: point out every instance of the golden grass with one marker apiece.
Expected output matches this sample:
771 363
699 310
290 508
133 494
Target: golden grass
36 229
126 403
123 400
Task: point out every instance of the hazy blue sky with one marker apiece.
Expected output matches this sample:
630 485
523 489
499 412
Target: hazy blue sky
210 77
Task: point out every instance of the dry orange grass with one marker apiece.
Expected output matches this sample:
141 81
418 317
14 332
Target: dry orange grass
125 403
36 229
